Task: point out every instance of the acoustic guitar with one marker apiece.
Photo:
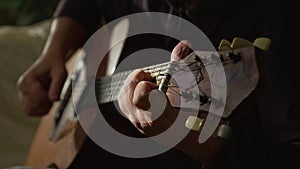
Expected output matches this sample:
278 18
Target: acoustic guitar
61 142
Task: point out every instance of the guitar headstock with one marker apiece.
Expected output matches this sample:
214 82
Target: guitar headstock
235 60
221 82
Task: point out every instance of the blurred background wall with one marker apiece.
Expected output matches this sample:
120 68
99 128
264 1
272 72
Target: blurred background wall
24 27
25 12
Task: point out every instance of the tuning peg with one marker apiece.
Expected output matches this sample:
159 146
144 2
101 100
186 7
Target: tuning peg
194 123
262 43
240 43
224 45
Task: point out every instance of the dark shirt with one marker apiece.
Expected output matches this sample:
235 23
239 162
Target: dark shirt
269 137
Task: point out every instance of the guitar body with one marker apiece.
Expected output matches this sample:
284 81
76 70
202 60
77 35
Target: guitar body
44 153
75 150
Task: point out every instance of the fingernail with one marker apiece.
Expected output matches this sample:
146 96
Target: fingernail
187 43
181 50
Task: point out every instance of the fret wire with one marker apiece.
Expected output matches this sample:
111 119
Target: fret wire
108 88
105 81
112 84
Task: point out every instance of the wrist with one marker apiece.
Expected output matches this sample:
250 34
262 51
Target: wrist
57 55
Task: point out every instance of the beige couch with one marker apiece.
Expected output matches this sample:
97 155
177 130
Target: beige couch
19 47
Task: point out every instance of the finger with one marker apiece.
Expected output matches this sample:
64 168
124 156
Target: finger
181 50
141 118
126 93
33 107
144 121
34 97
125 97
58 78
132 81
133 119
141 94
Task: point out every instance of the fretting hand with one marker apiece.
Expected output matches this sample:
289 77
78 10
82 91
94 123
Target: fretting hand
134 99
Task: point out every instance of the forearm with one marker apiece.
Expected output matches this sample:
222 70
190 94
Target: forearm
65 37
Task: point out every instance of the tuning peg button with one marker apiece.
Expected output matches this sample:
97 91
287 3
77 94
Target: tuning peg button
194 123
240 43
224 45
262 43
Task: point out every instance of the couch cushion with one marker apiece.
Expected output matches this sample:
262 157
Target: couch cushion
19 47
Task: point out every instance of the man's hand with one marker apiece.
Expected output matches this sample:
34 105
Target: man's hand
134 99
41 85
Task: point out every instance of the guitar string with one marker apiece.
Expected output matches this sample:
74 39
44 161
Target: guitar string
108 82
108 88
111 87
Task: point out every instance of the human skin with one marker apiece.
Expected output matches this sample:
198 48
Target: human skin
40 85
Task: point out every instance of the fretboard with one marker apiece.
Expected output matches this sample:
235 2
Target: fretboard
108 87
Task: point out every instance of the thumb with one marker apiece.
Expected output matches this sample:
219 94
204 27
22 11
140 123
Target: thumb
58 78
181 50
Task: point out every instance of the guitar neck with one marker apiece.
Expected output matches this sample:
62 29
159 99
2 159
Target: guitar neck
108 87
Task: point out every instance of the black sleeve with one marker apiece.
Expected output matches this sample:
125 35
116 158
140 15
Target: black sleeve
86 12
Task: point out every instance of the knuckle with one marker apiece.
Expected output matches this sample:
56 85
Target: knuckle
143 85
21 83
139 73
